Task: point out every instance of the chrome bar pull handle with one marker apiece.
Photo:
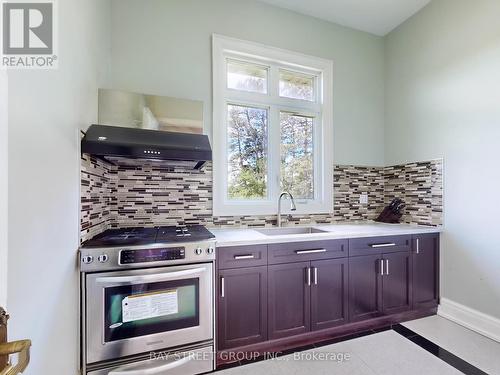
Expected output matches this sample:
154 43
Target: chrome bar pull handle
241 257
387 266
418 246
300 252
308 276
315 275
388 244
222 287
149 278
381 267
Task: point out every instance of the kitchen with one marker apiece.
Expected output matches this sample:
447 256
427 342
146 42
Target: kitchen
210 202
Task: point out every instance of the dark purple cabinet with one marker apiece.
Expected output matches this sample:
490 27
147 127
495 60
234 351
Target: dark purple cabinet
276 291
425 259
307 296
378 245
242 256
396 283
329 293
379 285
289 299
242 306
365 297
307 251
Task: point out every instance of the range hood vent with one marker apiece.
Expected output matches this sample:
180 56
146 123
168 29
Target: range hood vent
116 143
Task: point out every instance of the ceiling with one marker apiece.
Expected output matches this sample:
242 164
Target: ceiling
377 17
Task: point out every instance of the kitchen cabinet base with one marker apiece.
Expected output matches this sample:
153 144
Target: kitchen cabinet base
253 351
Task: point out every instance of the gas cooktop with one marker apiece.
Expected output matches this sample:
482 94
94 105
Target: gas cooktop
144 236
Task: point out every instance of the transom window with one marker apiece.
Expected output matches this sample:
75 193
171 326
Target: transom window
272 129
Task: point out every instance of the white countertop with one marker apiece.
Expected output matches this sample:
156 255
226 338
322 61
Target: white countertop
248 236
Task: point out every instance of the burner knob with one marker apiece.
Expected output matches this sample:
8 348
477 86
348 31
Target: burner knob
198 251
87 259
210 250
103 258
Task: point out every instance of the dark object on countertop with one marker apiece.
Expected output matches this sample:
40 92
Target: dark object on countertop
392 213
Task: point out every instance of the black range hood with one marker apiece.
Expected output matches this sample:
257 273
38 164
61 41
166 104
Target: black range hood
114 143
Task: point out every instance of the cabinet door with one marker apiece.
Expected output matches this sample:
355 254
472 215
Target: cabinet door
329 293
242 307
289 300
396 293
425 270
365 297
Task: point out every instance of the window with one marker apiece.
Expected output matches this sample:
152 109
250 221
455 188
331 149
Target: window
272 129
246 77
297 157
296 85
247 152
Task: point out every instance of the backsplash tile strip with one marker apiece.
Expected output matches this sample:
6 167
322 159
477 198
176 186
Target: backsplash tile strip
156 194
95 197
350 182
420 185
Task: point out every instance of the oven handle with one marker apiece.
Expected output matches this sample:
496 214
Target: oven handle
154 370
149 278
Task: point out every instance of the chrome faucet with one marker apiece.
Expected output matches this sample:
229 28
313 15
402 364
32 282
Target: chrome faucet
292 205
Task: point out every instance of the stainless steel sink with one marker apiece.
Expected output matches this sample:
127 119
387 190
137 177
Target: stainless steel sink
292 230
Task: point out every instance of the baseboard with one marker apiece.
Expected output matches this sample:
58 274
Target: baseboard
477 321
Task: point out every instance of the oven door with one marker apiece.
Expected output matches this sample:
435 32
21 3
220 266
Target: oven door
138 311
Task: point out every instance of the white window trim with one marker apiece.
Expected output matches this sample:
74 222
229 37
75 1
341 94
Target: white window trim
226 47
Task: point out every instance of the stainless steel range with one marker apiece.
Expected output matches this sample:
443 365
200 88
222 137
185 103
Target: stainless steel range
147 301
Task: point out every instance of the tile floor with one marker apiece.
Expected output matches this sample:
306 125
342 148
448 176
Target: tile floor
388 353
476 349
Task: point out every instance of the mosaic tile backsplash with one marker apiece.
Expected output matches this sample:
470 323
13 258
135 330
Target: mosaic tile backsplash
420 186
95 192
124 196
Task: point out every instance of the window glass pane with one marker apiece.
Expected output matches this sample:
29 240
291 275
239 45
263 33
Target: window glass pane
246 77
296 85
297 157
247 136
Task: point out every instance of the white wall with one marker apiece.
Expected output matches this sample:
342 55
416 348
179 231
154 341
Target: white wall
443 90
46 108
164 47
3 187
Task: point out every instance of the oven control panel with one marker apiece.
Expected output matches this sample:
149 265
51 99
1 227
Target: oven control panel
119 258
151 255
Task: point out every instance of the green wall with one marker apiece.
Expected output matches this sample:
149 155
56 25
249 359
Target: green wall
442 100
164 47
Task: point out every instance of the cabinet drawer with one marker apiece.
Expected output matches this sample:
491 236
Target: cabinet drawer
379 245
304 251
241 256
